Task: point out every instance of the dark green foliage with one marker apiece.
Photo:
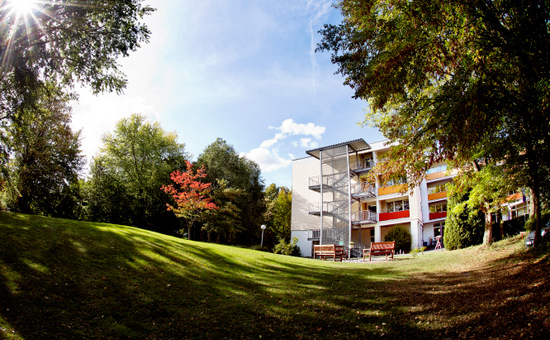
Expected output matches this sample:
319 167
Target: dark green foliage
126 177
45 158
514 226
222 162
401 236
463 227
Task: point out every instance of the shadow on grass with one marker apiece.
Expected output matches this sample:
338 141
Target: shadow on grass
66 279
504 297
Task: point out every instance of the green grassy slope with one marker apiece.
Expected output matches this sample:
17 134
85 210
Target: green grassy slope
68 279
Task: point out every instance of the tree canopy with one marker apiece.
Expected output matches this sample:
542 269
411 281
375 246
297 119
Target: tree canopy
45 160
72 41
222 162
62 43
453 81
136 158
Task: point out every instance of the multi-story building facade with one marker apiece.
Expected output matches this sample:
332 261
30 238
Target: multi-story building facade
333 201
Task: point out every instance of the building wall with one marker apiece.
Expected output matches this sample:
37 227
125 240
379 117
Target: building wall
417 222
302 196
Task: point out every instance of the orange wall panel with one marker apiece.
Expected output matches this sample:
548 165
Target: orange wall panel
394 189
437 195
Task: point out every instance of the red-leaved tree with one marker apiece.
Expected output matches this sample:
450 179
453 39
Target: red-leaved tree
192 196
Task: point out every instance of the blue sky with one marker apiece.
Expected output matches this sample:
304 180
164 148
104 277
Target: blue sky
244 71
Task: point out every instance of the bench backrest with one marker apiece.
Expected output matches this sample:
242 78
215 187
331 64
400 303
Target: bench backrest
383 245
324 247
339 249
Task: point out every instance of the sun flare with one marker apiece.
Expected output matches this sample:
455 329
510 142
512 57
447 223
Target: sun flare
22 7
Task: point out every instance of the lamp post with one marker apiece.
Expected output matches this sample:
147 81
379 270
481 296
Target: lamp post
263 228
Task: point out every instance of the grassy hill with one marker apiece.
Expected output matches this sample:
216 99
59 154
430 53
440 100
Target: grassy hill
68 279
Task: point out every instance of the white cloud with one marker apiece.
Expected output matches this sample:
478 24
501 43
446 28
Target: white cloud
267 155
268 160
289 127
308 143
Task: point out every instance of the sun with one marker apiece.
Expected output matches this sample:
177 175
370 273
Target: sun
22 7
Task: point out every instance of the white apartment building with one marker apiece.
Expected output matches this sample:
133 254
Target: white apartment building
332 201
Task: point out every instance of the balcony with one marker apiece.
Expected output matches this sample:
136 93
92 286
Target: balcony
314 235
338 209
363 217
437 196
438 215
315 183
363 190
393 215
394 189
364 165
315 208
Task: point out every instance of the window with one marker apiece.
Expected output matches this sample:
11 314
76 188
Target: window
397 206
436 169
437 188
439 207
392 182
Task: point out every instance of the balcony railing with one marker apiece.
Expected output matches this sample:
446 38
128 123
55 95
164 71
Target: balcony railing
363 217
363 189
437 215
339 208
437 195
394 215
314 234
315 182
363 165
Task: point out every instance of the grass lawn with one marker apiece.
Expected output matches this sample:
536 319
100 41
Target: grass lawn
68 279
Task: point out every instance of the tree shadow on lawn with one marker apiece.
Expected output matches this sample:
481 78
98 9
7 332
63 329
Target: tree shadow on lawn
105 282
64 281
507 297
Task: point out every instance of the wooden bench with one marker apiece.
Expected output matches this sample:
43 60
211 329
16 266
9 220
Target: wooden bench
380 248
328 250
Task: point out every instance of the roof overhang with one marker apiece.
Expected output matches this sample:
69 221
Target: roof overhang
354 146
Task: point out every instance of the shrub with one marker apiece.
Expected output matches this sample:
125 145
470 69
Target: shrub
401 236
287 248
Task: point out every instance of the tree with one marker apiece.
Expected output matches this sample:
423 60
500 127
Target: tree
136 160
71 41
106 197
454 81
225 221
45 157
464 227
487 189
223 163
278 212
63 42
190 194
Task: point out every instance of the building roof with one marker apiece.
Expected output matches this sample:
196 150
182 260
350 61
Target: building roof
354 145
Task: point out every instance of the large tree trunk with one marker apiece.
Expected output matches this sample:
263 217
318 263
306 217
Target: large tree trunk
488 235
